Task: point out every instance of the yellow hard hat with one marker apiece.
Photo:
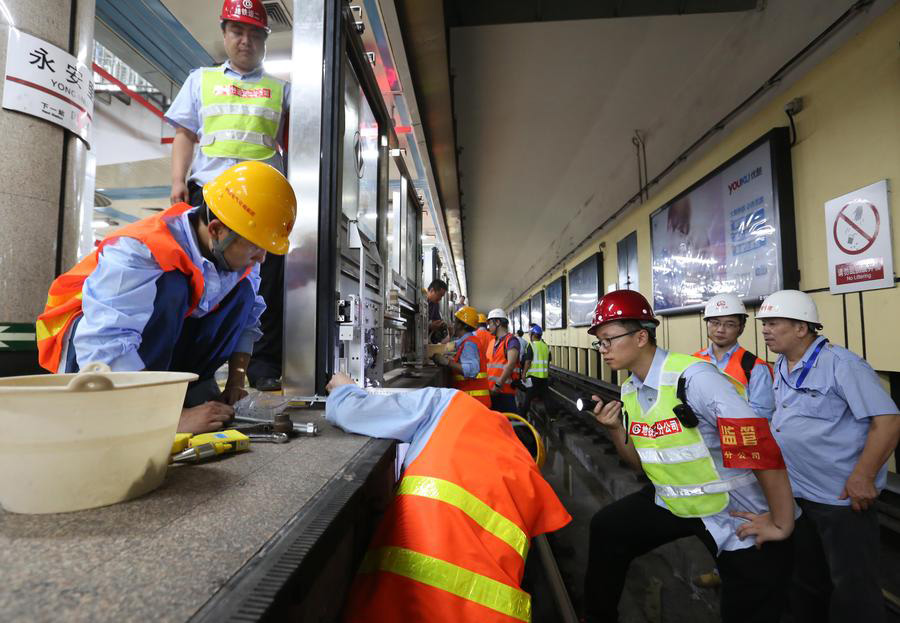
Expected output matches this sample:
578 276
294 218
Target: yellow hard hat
468 316
482 319
254 200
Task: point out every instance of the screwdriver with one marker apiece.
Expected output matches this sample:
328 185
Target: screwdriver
203 451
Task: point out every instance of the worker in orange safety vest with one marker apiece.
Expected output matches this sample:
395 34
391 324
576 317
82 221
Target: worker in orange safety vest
453 543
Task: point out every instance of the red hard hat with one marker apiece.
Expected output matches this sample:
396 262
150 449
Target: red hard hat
247 12
622 305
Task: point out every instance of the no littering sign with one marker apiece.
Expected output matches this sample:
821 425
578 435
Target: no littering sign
858 232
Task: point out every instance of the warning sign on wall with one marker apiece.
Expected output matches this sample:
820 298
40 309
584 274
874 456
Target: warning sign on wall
858 231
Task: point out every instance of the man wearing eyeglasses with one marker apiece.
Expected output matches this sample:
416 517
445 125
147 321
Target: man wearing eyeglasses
231 113
715 470
726 317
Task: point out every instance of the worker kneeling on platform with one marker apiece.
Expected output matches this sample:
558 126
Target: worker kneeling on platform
176 291
715 470
469 364
452 545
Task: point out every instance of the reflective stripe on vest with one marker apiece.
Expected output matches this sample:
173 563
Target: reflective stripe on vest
240 118
675 457
452 578
65 296
478 511
454 539
540 365
479 387
496 363
720 486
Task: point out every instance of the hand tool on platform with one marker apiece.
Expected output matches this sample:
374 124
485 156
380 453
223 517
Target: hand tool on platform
269 437
282 423
207 445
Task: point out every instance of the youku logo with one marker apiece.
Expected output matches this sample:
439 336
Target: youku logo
752 175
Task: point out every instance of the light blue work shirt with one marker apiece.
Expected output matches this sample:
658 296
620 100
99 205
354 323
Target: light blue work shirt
409 417
822 427
185 112
470 360
118 299
711 395
759 392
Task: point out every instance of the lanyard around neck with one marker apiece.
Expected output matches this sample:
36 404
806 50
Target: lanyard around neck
806 366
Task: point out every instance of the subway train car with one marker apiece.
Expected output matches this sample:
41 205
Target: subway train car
449 310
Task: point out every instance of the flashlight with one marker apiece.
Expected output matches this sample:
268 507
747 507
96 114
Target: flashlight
585 404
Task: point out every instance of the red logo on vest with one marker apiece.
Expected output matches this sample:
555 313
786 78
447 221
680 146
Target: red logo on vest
236 91
652 431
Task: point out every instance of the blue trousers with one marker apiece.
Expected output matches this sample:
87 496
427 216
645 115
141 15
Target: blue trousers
171 342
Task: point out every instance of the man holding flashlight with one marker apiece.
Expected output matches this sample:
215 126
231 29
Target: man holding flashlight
715 470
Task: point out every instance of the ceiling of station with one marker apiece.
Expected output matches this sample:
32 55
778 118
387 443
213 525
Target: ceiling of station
545 115
481 13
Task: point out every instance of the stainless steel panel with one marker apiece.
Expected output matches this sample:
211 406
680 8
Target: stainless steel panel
305 141
78 191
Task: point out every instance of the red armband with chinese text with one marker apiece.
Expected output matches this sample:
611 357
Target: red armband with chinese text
748 443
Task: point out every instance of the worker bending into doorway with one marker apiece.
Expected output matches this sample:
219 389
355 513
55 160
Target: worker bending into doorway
469 364
176 291
452 545
236 112
715 470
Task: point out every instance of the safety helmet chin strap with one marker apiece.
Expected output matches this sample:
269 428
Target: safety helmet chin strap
219 246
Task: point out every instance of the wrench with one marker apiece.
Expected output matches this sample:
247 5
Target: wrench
272 437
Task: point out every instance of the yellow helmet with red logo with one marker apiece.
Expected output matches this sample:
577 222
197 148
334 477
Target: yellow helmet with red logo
255 201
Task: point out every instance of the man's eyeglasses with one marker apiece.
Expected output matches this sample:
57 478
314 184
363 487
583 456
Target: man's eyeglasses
606 342
727 324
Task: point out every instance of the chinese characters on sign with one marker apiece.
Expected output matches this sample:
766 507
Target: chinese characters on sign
47 82
858 234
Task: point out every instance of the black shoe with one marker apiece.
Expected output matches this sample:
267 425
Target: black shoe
268 384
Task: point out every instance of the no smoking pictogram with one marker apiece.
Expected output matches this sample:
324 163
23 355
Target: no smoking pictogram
856 227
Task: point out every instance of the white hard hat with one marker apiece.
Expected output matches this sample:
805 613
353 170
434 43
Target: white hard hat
497 313
792 304
724 305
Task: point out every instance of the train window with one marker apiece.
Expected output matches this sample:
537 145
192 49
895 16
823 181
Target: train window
626 256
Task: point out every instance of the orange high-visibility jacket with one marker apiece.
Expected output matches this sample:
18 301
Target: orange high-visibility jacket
484 338
740 365
64 299
479 387
496 361
453 543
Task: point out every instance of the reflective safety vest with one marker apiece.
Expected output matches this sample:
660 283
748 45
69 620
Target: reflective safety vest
484 338
675 457
540 363
453 542
64 299
496 362
240 119
740 365
479 387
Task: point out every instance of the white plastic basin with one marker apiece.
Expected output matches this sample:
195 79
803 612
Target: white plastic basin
75 441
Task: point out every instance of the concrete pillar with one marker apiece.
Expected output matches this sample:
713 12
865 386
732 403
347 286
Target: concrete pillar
42 204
